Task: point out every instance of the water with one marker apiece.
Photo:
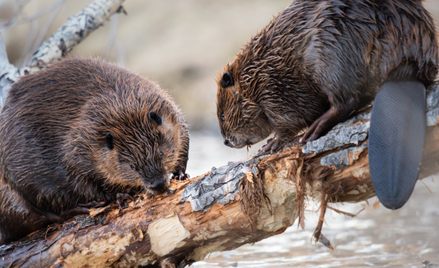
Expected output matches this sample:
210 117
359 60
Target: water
375 238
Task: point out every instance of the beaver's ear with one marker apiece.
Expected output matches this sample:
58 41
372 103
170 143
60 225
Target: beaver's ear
155 118
109 141
226 80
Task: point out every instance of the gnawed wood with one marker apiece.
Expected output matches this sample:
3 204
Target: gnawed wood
230 206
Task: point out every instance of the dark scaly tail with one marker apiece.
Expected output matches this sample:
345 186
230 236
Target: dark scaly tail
396 140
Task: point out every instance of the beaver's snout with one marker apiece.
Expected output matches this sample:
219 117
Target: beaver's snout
227 143
159 185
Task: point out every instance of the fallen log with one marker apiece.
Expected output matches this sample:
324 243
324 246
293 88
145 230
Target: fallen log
240 203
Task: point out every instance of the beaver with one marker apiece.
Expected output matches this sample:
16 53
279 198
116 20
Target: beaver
79 132
318 62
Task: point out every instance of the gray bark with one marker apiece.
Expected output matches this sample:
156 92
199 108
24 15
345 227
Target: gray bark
71 33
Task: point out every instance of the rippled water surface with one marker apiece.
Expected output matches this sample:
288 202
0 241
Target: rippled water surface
375 238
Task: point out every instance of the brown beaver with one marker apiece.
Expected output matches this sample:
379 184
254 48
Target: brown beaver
83 131
319 61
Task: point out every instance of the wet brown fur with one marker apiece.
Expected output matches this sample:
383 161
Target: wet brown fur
53 153
320 54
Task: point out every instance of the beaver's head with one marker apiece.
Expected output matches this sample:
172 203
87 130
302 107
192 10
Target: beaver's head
131 137
242 122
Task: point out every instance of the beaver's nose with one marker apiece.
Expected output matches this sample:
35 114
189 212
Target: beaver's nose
159 185
226 142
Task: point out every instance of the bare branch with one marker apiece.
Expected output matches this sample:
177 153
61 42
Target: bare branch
43 31
75 30
5 67
14 20
4 61
62 41
33 33
11 21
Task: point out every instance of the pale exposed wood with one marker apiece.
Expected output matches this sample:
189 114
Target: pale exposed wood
240 203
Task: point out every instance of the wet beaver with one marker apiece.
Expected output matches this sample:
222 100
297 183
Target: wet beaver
82 131
319 61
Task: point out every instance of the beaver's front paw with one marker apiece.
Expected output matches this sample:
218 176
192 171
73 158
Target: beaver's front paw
180 175
272 146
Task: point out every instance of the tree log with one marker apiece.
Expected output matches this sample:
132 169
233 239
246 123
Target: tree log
240 203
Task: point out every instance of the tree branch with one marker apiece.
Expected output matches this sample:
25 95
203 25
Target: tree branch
14 19
5 67
73 31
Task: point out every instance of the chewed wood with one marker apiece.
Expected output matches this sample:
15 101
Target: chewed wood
280 182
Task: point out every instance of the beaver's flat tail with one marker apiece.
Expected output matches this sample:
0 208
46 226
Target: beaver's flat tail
396 140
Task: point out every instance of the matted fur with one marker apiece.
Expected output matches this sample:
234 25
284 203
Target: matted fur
318 54
53 153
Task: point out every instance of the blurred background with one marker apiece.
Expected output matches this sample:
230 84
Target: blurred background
183 45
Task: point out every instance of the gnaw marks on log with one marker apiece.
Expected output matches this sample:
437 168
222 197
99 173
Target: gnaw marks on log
241 203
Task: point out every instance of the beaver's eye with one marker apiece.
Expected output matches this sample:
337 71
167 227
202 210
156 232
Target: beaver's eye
109 141
133 167
155 118
223 117
160 154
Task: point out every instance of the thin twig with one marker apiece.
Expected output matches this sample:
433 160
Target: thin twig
5 67
17 13
34 26
71 33
120 53
426 186
344 212
43 31
34 17
114 21
4 62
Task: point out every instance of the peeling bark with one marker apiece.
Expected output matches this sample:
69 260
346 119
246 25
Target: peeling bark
243 202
